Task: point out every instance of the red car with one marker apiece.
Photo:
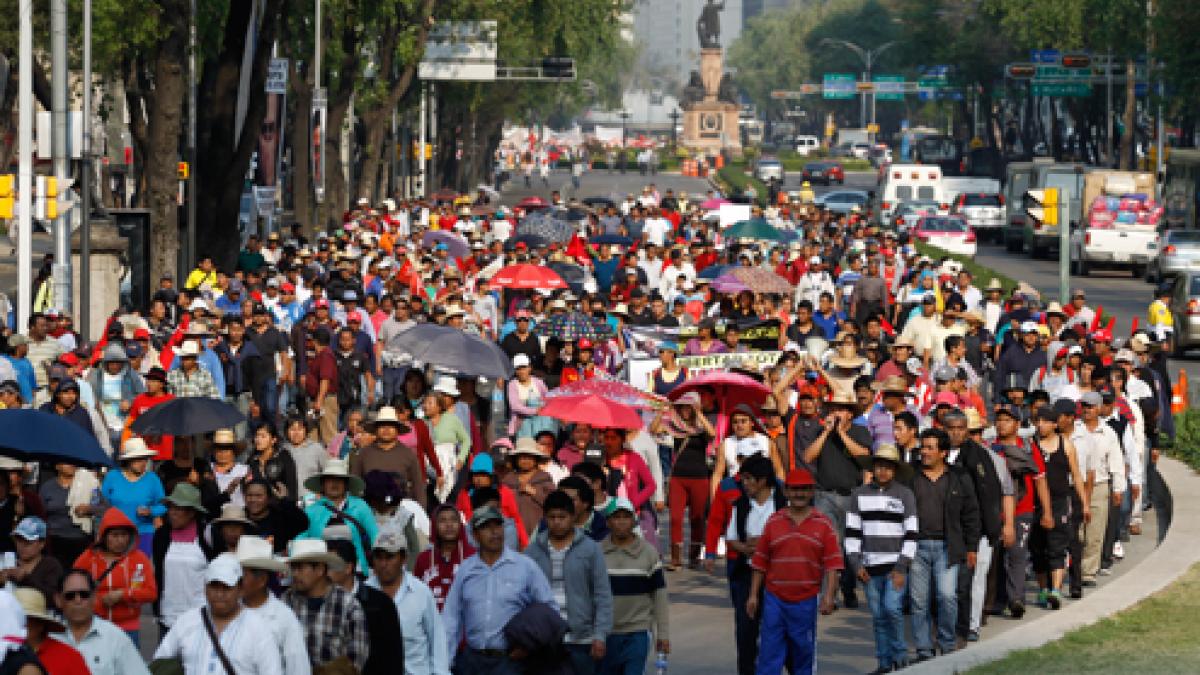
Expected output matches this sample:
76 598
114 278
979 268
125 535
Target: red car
825 173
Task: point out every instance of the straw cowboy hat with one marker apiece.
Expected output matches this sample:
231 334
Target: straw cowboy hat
256 553
135 448
387 415
851 362
528 446
895 384
336 468
888 452
232 513
842 397
314 551
33 602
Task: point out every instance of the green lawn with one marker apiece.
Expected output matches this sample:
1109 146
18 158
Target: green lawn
1157 635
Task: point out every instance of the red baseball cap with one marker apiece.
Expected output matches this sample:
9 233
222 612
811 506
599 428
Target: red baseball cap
320 302
585 343
287 287
1102 336
69 359
141 334
799 478
946 398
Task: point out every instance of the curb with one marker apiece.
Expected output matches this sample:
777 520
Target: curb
1174 556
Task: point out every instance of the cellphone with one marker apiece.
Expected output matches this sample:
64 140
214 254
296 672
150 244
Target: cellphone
9 561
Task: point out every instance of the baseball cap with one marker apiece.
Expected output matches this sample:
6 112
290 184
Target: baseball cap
1010 410
928 299
1047 414
390 540
622 504
483 516
520 360
946 398
31 528
945 373
1124 355
320 302
1029 327
287 287
224 569
1064 406
1091 399
799 477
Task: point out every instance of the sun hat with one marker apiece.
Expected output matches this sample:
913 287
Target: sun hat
190 348
232 513
387 415
528 446
841 397
313 551
887 452
186 495
256 553
33 602
135 448
224 437
447 385
336 468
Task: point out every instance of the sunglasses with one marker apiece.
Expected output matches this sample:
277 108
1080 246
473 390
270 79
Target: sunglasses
72 596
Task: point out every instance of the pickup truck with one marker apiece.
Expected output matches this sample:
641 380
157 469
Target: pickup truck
1132 248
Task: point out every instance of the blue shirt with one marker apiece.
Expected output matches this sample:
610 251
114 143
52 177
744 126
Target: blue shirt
484 598
828 324
128 497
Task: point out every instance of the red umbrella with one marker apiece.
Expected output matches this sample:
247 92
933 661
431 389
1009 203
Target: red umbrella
731 389
533 203
613 390
597 411
528 276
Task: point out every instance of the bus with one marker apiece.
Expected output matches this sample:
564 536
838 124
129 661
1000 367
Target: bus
1181 189
941 150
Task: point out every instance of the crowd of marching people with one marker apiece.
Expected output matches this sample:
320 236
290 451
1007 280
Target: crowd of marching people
822 406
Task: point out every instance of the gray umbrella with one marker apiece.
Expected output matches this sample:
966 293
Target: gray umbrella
547 225
452 349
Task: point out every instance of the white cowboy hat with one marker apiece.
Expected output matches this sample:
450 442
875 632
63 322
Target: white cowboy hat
256 553
33 602
232 513
336 468
313 550
188 348
387 415
135 448
446 385
528 446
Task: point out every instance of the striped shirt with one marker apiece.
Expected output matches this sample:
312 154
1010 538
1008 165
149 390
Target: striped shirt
794 556
881 528
41 354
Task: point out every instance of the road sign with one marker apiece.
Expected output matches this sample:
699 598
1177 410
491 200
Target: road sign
872 128
838 86
864 87
1045 56
277 76
889 87
1061 88
1060 74
1076 60
1020 71
460 50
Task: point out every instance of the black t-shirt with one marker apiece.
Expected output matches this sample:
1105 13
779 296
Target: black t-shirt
691 458
836 468
798 335
268 343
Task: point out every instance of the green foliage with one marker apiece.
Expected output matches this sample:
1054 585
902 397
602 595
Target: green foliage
983 275
1187 438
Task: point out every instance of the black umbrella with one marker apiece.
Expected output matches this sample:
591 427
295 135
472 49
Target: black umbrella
572 274
452 349
611 240
603 202
187 416
33 435
530 240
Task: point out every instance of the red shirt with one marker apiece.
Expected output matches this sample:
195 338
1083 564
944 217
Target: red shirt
795 556
1026 503
163 445
323 367
60 658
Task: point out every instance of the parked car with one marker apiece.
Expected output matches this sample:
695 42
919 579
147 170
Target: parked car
1178 251
984 212
949 233
1185 307
880 155
767 168
824 173
843 201
908 213
806 144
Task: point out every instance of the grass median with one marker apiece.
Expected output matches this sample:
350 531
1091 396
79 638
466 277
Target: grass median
1157 635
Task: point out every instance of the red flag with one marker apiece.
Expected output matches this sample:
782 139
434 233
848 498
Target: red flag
1112 323
887 326
168 351
1134 327
1096 319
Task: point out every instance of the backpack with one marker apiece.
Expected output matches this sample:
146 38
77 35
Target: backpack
349 369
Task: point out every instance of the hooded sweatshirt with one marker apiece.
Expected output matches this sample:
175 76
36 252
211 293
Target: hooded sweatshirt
1054 383
131 573
508 501
437 570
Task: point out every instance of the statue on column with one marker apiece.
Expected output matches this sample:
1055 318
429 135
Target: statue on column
708 26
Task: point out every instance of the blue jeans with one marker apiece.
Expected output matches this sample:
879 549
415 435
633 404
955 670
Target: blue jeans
270 399
581 659
887 612
625 654
930 573
788 636
745 629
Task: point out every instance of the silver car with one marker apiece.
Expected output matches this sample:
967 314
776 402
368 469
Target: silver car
1177 251
768 168
1185 307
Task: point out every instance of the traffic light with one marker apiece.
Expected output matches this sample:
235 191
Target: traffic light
46 204
1076 61
8 195
182 169
1042 206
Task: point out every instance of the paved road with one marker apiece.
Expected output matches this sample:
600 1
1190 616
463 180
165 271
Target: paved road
603 184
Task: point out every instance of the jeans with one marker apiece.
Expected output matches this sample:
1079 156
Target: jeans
887 613
270 399
581 659
931 573
626 654
1016 559
393 383
745 629
789 636
835 506
471 662
979 583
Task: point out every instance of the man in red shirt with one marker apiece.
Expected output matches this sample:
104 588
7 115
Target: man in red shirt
799 557
321 386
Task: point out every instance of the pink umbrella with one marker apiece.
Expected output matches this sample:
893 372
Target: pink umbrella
595 410
714 203
731 389
613 390
528 276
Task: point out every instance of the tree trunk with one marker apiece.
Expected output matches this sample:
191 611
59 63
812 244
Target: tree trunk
1127 138
165 126
300 140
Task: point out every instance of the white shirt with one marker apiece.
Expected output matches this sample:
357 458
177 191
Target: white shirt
241 640
183 580
656 231
501 229
737 449
1103 452
973 297
425 650
756 520
106 649
288 634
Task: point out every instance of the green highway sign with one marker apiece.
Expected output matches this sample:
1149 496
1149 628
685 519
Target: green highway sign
889 87
932 83
1061 73
1060 88
839 86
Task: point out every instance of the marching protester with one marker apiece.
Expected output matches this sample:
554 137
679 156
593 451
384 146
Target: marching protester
380 463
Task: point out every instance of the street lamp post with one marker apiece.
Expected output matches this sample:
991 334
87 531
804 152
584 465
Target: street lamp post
675 115
868 57
624 134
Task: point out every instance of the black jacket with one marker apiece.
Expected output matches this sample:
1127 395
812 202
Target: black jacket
383 627
284 522
978 464
961 515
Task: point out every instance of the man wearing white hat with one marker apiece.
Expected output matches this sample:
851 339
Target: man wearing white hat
259 566
335 626
189 379
221 634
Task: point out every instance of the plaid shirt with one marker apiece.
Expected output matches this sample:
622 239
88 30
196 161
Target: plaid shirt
200 383
335 629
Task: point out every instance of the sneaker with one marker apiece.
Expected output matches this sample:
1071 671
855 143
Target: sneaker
973 636
1041 597
1054 599
1016 609
1118 551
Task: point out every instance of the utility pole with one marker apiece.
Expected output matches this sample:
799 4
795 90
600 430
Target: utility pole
868 57
421 140
191 254
62 158
25 170
85 184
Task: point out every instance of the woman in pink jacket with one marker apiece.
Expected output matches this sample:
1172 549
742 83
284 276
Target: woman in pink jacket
630 477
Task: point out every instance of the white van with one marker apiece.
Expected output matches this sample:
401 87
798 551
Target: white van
807 144
907 182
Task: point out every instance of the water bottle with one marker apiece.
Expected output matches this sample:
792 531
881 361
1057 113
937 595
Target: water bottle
660 664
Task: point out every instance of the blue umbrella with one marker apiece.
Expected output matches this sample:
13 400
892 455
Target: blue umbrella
611 240
452 349
187 416
32 435
713 271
